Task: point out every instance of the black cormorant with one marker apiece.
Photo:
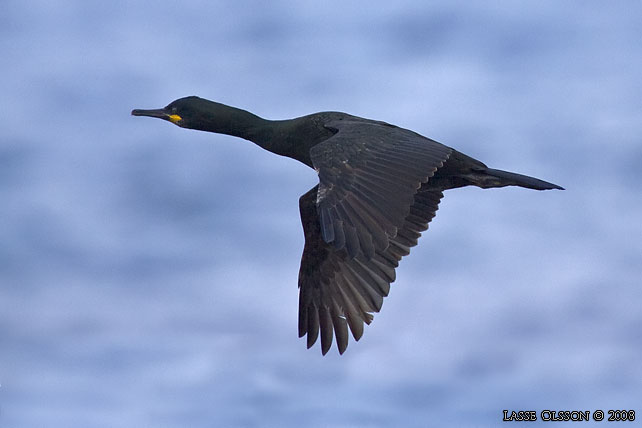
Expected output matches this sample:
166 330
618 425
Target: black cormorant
379 187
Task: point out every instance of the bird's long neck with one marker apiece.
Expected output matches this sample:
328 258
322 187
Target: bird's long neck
275 136
224 119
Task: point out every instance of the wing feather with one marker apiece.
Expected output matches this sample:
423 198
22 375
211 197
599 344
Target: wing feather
369 174
339 292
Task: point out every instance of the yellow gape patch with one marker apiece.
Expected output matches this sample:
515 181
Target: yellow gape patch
174 118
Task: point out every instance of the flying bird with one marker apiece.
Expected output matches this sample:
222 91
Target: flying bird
379 187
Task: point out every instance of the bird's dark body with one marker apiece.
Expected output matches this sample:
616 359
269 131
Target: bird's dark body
379 187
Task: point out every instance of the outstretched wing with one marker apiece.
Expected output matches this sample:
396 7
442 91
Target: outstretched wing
337 291
369 173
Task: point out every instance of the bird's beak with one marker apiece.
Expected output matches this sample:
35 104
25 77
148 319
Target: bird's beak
159 113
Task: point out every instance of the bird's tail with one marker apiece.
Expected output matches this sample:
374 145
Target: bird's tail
500 178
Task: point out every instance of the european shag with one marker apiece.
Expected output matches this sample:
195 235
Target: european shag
379 187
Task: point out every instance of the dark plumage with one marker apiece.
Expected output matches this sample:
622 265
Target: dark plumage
379 187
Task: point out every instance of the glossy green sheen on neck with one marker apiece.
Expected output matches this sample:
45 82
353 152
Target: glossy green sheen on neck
292 138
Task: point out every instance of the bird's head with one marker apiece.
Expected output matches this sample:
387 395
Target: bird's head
204 115
184 112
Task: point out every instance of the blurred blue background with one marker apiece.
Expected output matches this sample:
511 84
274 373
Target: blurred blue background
149 273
